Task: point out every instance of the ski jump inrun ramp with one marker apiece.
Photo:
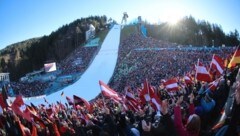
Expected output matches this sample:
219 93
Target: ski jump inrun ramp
101 68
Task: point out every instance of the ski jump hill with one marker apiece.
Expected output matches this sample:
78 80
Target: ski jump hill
101 68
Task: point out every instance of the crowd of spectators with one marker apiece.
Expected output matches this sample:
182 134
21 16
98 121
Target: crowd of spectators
140 58
29 89
187 113
76 62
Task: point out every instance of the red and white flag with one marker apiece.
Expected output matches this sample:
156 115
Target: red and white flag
131 101
108 92
213 85
82 102
147 94
201 73
217 64
20 108
171 85
188 80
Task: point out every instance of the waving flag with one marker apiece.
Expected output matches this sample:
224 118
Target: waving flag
188 80
171 85
20 108
213 85
131 101
235 58
217 64
108 92
82 102
201 73
2 102
147 94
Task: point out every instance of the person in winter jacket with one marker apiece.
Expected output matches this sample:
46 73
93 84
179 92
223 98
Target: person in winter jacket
192 127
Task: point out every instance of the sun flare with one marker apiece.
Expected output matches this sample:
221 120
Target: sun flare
173 16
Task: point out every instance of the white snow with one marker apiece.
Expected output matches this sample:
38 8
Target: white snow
101 68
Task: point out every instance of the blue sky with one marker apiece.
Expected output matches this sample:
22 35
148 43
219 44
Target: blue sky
24 19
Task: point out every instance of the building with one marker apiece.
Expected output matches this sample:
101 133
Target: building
4 77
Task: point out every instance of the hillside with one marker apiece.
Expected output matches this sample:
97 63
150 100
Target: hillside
26 56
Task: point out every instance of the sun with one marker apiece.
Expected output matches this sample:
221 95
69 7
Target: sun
173 16
173 20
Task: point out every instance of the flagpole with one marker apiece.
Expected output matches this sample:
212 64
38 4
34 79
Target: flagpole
228 62
211 64
212 84
195 77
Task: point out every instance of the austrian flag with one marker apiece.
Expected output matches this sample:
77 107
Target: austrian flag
202 74
171 85
217 64
108 92
188 80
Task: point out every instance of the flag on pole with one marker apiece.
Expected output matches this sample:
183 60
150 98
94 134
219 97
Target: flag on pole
131 101
82 102
171 85
147 92
108 92
214 84
147 95
217 64
20 108
188 80
201 73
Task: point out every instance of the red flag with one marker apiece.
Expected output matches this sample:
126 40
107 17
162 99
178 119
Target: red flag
147 94
108 92
50 112
2 102
34 131
80 101
34 107
3 97
38 121
20 108
213 85
217 64
156 103
187 79
171 85
131 101
202 74
32 110
18 102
